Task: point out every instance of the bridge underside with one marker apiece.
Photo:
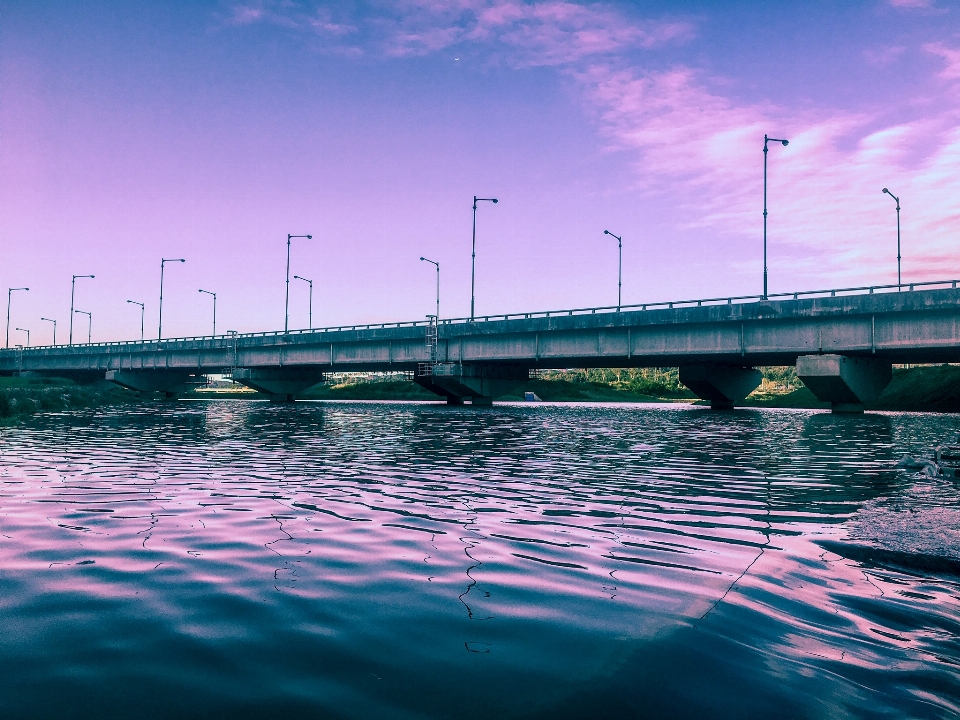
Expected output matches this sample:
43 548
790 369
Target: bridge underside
847 382
278 384
168 383
716 346
478 383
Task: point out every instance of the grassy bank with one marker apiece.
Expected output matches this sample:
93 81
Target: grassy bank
919 389
22 396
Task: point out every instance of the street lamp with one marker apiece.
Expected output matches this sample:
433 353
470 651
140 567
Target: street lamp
297 277
134 302
619 267
89 322
54 329
163 261
473 255
898 234
27 332
214 308
73 286
286 308
438 283
765 141
10 292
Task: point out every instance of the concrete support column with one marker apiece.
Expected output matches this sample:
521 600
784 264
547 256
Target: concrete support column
280 384
480 383
722 385
169 383
846 382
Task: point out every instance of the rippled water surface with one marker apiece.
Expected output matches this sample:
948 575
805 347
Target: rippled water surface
364 560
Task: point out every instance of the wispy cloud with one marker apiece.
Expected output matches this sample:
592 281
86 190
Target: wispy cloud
696 146
321 20
518 33
882 57
951 70
699 147
911 3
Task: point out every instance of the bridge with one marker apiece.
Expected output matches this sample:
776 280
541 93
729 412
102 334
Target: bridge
843 342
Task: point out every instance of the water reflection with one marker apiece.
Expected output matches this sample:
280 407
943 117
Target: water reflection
364 559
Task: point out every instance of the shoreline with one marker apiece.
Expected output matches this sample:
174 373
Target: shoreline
925 389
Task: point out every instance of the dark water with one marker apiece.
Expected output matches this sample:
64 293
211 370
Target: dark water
237 559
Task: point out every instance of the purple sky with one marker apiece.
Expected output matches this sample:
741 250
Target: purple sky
135 131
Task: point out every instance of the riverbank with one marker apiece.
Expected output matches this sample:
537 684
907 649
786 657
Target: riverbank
22 396
931 388
928 388
915 389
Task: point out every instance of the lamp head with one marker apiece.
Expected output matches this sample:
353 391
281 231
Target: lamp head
495 201
422 258
309 237
785 142
886 191
606 232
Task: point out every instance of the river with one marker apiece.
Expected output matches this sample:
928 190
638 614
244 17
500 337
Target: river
367 560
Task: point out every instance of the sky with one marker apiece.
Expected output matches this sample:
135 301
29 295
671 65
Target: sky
135 131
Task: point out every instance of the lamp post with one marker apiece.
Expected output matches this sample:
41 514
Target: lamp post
438 283
286 308
54 329
214 309
11 291
473 254
765 141
134 302
619 266
27 332
310 282
89 322
163 261
898 234
73 286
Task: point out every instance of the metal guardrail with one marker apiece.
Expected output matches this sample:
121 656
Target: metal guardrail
734 300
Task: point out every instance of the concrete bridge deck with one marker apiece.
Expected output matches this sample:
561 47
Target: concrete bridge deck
871 327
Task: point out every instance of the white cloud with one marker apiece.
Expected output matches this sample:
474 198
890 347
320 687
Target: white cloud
911 3
700 150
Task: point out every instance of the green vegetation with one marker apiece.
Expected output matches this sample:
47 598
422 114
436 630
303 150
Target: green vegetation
921 389
929 388
651 384
22 396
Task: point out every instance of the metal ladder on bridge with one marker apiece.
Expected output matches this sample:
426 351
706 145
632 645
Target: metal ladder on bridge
432 337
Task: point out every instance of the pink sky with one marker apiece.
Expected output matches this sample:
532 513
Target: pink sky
210 131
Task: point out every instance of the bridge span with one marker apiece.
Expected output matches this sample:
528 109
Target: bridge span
843 343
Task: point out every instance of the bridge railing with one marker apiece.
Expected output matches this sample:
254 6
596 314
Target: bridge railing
671 304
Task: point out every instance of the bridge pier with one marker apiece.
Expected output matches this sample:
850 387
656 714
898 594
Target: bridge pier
722 385
846 382
280 384
480 383
169 383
